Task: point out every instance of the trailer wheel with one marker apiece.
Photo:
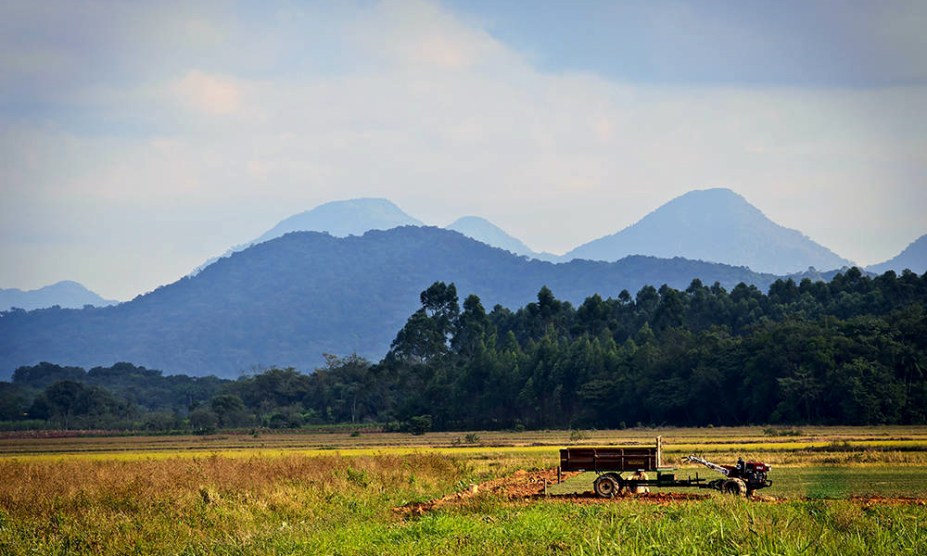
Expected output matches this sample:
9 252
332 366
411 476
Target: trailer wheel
734 487
606 486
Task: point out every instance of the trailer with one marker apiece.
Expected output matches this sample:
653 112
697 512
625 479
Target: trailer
610 462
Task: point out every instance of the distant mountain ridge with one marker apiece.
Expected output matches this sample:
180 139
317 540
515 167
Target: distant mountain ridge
913 258
715 225
291 299
66 294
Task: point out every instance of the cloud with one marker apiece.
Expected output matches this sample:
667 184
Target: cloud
251 117
211 94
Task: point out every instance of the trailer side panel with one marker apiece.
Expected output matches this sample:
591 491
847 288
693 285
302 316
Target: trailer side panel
609 458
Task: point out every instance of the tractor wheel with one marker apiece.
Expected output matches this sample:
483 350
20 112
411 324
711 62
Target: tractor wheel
735 487
606 486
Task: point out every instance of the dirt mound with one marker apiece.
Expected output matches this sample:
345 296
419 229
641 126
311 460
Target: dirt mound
520 485
889 501
523 485
648 497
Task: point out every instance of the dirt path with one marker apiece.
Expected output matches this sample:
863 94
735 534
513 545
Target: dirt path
525 485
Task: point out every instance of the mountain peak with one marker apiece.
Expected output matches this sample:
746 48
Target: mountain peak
717 225
349 217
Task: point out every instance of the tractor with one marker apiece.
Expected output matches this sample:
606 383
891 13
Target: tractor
609 462
740 480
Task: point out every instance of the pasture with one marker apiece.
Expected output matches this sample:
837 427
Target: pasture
836 490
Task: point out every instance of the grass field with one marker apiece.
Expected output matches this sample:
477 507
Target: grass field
331 493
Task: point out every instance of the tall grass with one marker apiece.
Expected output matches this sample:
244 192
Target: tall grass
183 505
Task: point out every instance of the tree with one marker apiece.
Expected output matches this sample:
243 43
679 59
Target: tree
427 333
13 402
420 424
203 420
229 410
62 398
472 328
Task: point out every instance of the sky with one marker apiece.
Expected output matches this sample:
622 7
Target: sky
139 139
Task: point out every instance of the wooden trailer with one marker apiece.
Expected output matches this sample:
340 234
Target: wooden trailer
612 458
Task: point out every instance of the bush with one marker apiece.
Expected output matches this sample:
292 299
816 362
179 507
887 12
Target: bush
420 424
576 435
203 420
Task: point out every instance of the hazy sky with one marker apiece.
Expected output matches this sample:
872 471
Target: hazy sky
138 139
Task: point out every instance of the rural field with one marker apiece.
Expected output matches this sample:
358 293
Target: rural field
842 490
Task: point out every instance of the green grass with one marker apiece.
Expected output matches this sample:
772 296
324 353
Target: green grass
716 526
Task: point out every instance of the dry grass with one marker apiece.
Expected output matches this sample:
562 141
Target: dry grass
156 506
42 488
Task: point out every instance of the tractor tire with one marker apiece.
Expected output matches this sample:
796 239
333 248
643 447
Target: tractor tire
606 486
734 487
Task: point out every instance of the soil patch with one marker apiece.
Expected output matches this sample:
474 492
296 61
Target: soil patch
528 485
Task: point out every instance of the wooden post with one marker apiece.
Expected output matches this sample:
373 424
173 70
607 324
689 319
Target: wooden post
659 451
559 475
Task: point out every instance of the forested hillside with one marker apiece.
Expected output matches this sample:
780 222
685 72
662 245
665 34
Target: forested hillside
289 300
849 351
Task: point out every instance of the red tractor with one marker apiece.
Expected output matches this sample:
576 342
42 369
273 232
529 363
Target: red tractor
741 479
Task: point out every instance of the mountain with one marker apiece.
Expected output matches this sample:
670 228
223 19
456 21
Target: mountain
289 300
714 225
352 217
913 258
484 231
66 294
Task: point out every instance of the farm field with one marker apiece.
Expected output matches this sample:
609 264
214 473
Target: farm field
839 490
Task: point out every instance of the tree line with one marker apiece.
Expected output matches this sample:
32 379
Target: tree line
849 351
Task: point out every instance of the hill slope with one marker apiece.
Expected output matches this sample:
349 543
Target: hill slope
66 294
484 231
715 225
914 258
289 300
